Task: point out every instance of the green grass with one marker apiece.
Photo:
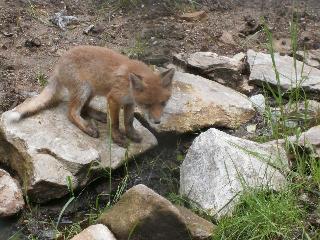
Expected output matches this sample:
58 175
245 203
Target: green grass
265 214
262 215
41 79
138 48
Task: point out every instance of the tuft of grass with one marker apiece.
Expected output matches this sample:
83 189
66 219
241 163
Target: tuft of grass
262 215
70 200
37 14
138 49
292 98
41 79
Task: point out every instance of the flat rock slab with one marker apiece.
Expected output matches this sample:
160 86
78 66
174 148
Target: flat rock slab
219 166
95 232
11 198
197 103
223 69
194 16
47 148
262 72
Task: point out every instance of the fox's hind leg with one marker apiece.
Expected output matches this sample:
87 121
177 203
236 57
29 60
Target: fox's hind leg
78 98
93 113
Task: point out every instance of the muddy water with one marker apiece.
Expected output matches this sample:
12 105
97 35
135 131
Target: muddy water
157 169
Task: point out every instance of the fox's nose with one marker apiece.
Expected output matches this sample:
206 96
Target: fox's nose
156 121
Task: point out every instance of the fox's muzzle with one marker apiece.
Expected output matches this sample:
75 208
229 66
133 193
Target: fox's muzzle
155 115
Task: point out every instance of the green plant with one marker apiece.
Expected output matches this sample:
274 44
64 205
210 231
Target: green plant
72 197
265 214
41 79
292 97
138 49
37 14
262 214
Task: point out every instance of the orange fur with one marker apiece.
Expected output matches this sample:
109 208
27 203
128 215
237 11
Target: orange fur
87 71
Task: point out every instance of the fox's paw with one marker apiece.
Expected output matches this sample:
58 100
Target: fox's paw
134 136
13 116
120 139
92 131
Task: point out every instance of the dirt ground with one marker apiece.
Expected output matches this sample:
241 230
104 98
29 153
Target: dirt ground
153 31
30 44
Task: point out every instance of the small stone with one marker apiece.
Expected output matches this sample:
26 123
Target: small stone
252 128
33 42
7 34
250 27
95 232
259 102
61 20
282 45
194 16
11 198
88 29
227 38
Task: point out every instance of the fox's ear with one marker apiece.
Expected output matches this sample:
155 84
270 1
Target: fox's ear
166 77
136 82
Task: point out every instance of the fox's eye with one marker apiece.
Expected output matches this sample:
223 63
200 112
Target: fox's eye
163 103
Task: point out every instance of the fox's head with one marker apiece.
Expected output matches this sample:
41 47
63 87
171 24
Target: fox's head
152 92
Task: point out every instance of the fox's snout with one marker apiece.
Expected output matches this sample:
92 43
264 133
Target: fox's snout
155 121
154 114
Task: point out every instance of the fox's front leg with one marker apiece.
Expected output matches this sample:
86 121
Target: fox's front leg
114 110
128 123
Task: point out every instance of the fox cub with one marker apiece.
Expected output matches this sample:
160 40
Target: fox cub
87 71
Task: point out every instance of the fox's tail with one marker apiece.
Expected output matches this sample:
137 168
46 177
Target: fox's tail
37 103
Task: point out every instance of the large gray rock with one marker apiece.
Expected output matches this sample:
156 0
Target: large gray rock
262 72
11 198
219 166
142 214
222 69
95 232
47 148
197 103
